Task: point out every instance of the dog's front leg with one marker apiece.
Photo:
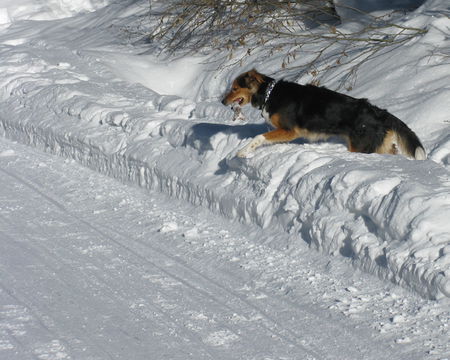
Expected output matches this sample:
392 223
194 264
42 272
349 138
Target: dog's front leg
274 136
251 147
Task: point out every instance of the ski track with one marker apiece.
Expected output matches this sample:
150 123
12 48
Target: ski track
87 273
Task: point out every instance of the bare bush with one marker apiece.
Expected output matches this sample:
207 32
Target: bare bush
244 27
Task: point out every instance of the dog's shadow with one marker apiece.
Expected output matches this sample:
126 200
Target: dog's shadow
201 134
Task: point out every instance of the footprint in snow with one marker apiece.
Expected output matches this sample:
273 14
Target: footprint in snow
221 338
7 153
191 233
168 227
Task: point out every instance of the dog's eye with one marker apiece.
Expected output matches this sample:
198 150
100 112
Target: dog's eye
234 89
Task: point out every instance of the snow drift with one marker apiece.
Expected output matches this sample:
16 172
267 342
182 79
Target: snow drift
78 87
12 11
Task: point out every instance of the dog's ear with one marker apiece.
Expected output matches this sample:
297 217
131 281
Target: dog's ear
255 76
250 79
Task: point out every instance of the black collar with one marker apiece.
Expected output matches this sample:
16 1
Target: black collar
269 91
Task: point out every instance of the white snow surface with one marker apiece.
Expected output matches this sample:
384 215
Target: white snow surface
81 88
12 11
76 82
94 269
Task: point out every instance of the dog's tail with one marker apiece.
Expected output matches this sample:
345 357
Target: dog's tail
403 140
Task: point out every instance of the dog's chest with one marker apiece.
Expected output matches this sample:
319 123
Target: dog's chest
266 117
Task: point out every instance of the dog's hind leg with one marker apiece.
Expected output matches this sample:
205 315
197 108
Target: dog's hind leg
390 144
275 136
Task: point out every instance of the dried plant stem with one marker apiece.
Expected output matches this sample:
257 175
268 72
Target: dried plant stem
244 26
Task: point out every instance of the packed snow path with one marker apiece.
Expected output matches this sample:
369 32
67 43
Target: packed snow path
93 269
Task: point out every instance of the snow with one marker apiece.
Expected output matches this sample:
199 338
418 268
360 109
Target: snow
89 273
174 78
12 11
76 83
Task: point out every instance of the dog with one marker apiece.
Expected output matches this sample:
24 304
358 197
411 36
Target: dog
317 113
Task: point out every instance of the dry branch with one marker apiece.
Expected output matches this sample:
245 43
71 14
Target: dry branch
293 27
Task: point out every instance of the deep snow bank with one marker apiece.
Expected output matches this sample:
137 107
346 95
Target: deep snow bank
79 99
15 10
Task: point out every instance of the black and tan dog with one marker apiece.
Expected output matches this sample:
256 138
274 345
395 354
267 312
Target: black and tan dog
314 113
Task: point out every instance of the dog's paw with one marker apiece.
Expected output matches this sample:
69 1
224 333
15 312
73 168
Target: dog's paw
251 147
243 154
239 117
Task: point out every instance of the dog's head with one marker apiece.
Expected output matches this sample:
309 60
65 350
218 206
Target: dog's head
243 88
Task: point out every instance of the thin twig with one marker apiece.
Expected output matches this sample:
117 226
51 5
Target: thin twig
286 26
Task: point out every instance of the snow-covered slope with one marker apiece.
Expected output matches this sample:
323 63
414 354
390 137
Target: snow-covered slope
82 88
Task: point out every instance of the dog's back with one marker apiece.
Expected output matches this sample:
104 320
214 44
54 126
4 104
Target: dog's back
323 112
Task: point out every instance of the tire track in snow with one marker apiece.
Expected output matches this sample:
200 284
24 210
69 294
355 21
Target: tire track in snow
40 259
194 294
180 275
95 229
92 228
273 326
230 296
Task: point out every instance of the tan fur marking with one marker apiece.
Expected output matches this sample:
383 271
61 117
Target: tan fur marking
351 148
310 135
280 135
390 144
275 120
